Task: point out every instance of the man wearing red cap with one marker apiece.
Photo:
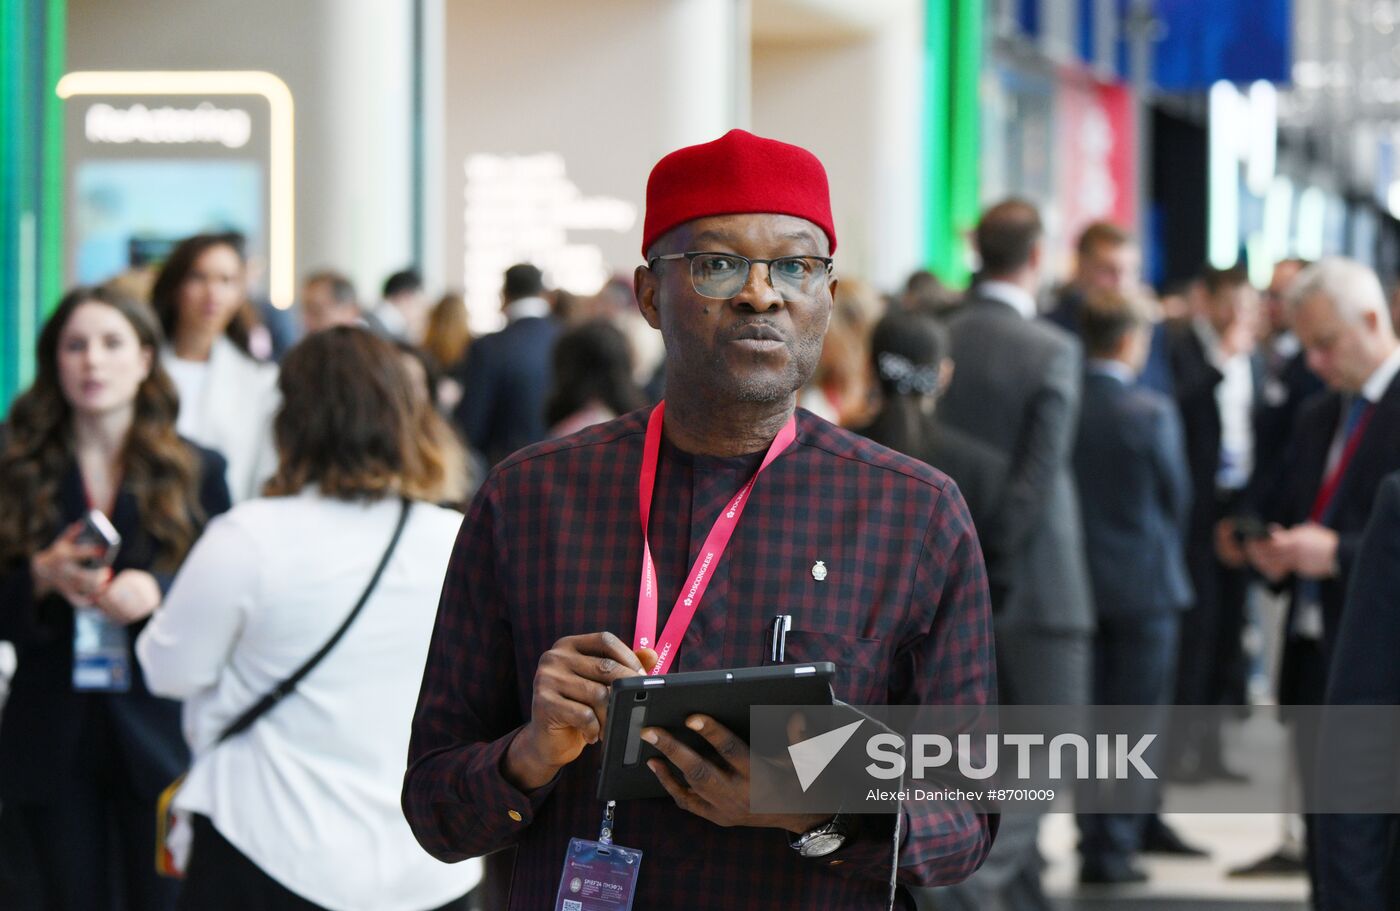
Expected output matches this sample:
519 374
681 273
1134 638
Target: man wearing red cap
871 553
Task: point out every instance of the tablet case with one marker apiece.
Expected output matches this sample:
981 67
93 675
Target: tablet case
667 700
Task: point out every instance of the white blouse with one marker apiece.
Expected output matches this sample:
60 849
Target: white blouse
311 791
227 404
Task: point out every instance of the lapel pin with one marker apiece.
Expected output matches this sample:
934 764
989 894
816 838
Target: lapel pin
819 571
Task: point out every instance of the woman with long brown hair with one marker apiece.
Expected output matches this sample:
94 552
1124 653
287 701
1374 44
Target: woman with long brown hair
85 748
300 810
227 397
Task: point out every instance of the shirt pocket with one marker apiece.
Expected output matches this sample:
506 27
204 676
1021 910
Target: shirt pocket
862 667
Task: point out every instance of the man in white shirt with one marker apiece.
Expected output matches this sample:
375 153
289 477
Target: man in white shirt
1345 442
403 313
1217 380
1346 330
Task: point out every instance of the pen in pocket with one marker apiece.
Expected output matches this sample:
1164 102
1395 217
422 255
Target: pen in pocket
781 625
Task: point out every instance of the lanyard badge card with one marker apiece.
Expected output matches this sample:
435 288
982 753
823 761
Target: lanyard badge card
101 650
598 875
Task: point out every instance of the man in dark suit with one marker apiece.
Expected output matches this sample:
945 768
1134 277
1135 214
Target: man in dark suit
1358 856
1217 379
508 373
1287 381
1346 440
1135 495
1106 258
1016 388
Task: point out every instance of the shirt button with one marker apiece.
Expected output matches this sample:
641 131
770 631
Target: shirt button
515 815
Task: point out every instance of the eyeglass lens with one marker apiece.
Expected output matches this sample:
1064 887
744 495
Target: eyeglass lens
721 276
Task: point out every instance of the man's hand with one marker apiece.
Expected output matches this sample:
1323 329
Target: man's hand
1310 549
132 595
1268 556
1227 546
569 705
719 793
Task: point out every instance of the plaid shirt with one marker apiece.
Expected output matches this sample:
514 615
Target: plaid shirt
551 547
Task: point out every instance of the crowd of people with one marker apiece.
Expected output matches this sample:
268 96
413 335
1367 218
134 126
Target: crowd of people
1144 476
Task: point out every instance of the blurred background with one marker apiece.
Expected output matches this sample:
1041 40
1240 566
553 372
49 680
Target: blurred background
369 150
463 136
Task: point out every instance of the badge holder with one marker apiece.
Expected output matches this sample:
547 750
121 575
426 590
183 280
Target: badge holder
101 655
599 875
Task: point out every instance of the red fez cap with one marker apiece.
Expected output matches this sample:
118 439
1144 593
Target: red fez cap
735 174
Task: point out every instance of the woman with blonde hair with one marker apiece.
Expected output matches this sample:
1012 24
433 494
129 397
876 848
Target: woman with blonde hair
296 803
446 342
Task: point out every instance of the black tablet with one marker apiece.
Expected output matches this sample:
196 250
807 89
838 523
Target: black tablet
665 701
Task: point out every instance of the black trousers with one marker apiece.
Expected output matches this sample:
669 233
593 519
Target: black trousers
90 847
1211 668
222 878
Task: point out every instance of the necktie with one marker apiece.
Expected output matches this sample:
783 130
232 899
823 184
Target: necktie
1308 620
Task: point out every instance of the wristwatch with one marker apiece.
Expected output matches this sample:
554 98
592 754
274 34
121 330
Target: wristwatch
823 840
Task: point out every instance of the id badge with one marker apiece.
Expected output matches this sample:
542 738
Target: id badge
598 877
101 656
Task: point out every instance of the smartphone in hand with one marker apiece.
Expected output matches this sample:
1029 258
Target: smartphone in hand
1250 528
98 531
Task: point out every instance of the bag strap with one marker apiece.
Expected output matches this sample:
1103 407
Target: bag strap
283 689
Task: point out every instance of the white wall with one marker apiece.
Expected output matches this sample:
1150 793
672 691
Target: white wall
610 85
348 65
855 100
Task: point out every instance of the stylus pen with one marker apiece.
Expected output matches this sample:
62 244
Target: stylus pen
781 624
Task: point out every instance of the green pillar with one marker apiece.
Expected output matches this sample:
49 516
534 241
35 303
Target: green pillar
953 35
31 180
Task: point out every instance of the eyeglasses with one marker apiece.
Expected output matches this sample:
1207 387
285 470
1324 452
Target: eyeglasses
720 276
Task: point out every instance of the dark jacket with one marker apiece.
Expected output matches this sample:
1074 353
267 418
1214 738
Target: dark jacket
977 469
1286 387
1358 863
1195 381
45 722
505 385
1134 496
1156 373
1016 389
1377 455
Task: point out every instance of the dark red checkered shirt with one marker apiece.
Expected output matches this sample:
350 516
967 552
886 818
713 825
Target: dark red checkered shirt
551 547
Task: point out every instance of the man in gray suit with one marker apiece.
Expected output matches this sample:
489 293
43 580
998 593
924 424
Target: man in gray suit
1017 389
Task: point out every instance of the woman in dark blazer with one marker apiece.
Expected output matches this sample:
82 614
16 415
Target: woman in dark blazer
909 356
85 749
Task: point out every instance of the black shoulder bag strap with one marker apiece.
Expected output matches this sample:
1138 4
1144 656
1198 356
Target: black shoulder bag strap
283 689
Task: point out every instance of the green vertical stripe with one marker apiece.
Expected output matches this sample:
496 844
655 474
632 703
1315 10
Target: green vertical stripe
8 141
952 140
936 121
31 175
52 219
22 233
964 154
12 140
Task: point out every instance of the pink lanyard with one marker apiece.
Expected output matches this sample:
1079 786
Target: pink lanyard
700 574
